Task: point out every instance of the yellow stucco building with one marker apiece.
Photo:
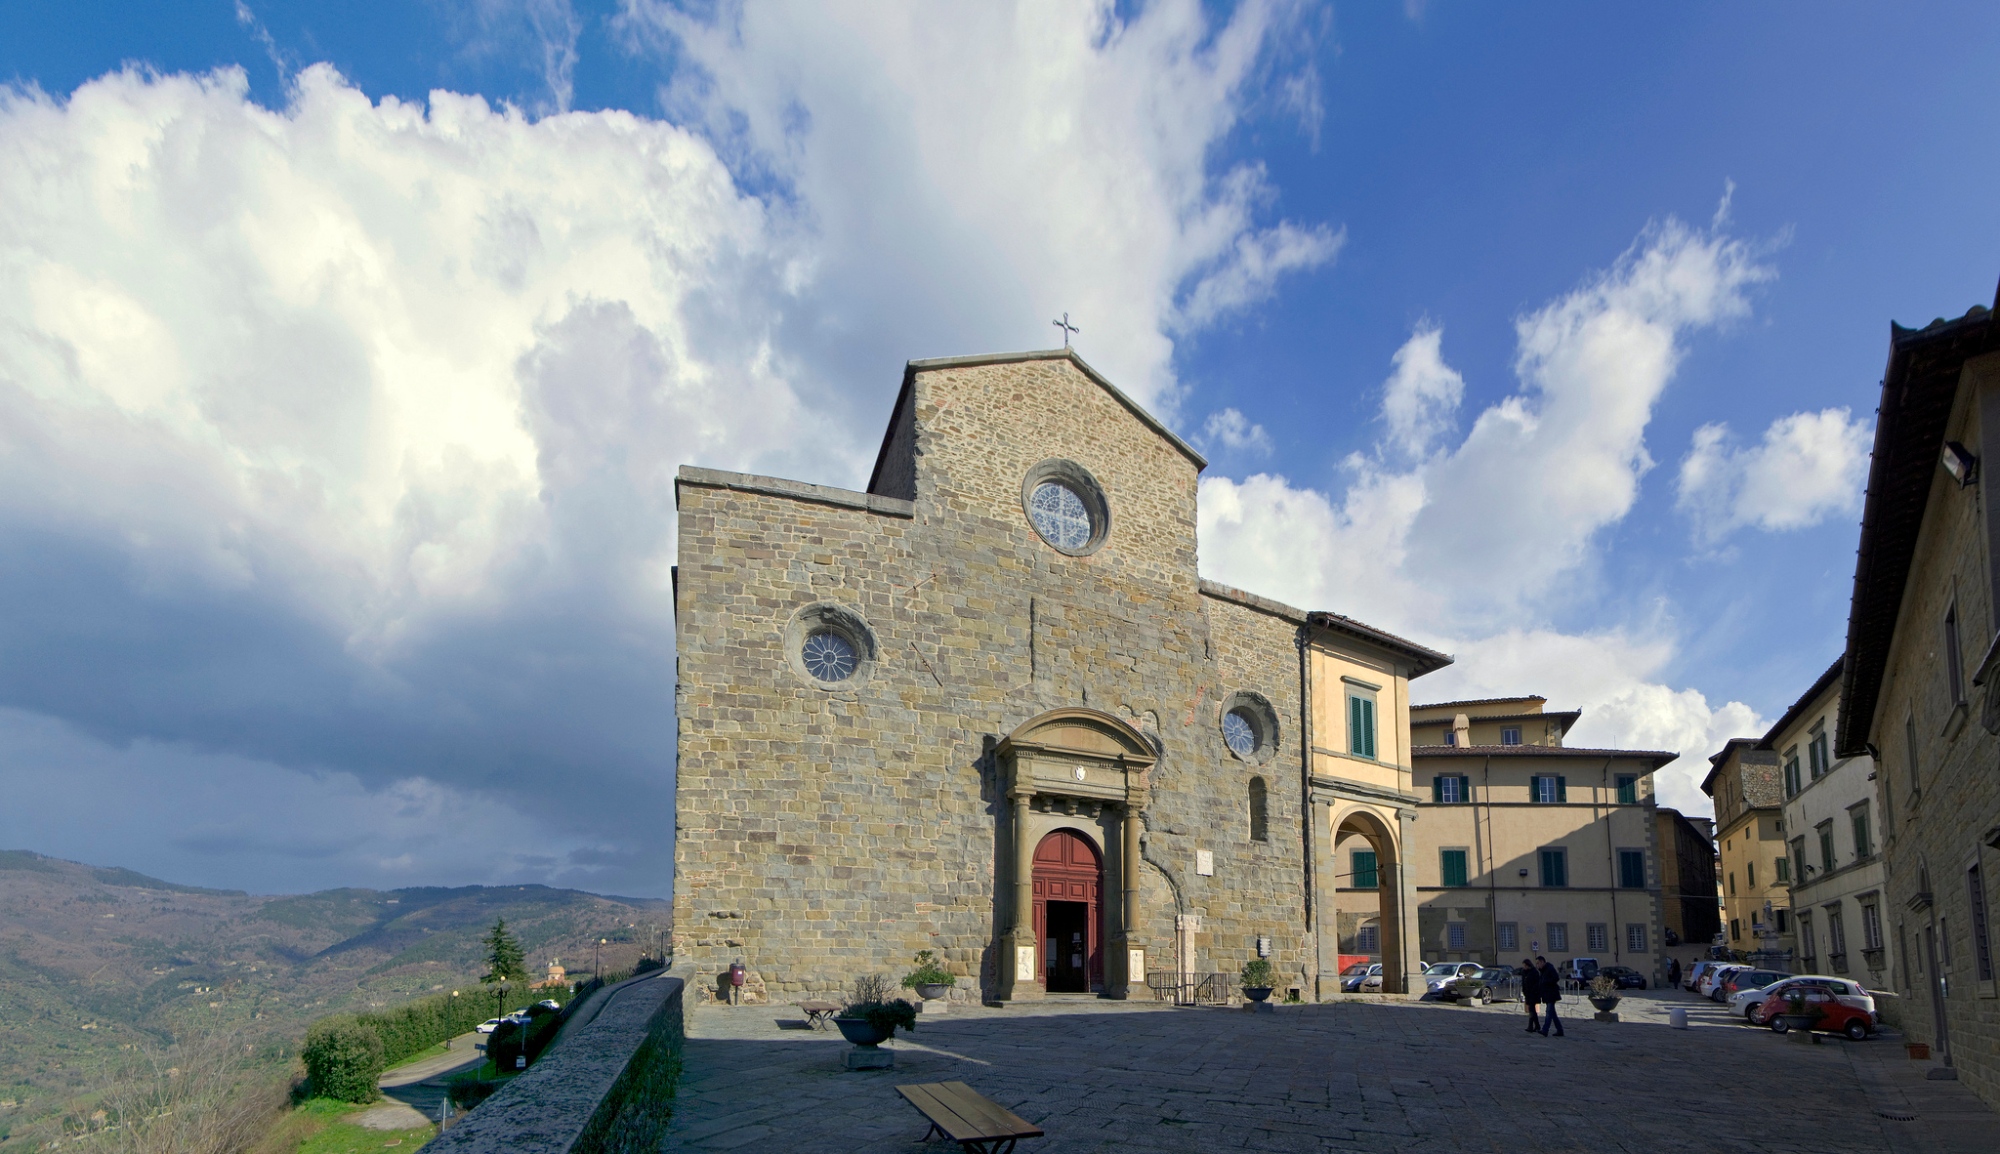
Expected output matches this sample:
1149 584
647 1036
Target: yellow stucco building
1746 782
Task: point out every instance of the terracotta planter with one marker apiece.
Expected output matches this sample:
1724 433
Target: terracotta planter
1920 1051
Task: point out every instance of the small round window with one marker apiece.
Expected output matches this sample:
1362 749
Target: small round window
1239 732
1066 506
828 656
1249 727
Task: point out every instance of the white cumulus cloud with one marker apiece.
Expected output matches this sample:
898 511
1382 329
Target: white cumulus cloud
1235 432
1808 467
1420 400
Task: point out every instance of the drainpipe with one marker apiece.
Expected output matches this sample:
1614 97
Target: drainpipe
1315 916
1611 860
1492 873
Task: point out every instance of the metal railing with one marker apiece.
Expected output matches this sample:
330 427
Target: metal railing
1192 989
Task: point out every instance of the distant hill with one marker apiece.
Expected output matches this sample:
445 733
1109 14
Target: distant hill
97 962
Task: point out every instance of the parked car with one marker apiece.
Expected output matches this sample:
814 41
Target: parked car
1706 987
1579 970
1350 978
1371 982
488 1026
1748 1003
1845 1007
1485 986
1439 975
1691 981
1626 977
550 1004
1734 980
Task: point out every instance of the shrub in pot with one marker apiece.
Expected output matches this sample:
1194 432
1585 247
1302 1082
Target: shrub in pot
1604 993
930 980
1258 977
870 1016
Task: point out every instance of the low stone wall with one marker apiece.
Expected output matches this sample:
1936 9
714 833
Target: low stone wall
606 1088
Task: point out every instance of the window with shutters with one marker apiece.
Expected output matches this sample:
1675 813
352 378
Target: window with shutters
1782 866
1792 771
1628 789
1451 863
1509 935
1510 735
1910 753
1871 926
1368 940
1363 862
1632 869
1750 874
1548 789
1555 866
1799 858
1451 789
1825 831
1816 752
1954 670
1857 818
1808 947
1361 725
1982 949
1597 937
1558 936
1635 937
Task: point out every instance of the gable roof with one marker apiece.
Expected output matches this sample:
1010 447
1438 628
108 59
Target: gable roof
1919 388
903 412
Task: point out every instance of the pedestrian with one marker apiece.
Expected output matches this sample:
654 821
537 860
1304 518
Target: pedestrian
1674 974
1552 992
1531 991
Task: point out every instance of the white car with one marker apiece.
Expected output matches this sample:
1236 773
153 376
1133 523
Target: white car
488 1026
1706 986
1440 975
1746 1002
1373 982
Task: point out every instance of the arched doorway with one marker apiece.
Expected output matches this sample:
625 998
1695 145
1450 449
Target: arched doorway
1368 900
1068 884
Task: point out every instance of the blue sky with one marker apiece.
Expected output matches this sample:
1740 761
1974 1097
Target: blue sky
341 416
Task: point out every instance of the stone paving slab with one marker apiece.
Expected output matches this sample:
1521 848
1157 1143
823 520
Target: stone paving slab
1375 1076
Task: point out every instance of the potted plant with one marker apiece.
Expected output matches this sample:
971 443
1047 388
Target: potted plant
1798 1013
870 1018
930 980
1604 993
1258 978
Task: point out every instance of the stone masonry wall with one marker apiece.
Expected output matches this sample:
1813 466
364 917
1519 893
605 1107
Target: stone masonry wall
825 834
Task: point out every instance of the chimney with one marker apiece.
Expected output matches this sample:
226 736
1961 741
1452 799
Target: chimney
1461 731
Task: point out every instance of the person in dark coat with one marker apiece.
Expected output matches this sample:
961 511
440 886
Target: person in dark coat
1531 991
1552 992
1674 974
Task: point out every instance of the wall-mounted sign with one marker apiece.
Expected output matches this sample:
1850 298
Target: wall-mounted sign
1204 863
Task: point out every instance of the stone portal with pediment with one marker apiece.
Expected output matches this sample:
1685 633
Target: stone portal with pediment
1083 773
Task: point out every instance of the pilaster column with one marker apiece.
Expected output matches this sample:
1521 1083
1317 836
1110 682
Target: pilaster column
1019 961
1125 943
1324 918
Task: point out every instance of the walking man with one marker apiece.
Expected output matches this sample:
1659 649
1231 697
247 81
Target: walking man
1531 991
1674 974
1552 992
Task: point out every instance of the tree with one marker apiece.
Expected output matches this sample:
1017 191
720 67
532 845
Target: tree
343 1058
503 956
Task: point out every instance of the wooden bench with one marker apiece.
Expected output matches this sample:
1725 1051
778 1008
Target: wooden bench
977 1123
818 1014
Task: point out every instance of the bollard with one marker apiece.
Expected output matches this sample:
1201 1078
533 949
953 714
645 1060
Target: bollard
1677 1017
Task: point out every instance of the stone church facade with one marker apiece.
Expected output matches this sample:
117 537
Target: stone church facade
989 708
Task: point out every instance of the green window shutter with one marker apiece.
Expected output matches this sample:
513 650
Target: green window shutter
1364 869
1354 725
1368 711
1452 862
1464 788
1437 789
1628 789
1562 789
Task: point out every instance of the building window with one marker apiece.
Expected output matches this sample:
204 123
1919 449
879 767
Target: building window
1555 867
1628 789
1510 937
1451 864
1735 929
1781 920
1858 818
1238 733
1368 940
828 656
1982 949
1750 874
1549 789
1454 935
1450 735
1836 939
1066 506
1954 671
1364 869
1910 751
1597 936
1784 868
1808 948
1816 752
1632 869
1259 810
1635 937
1825 831
1792 771
1871 926
1361 725
1799 858
1558 936
1451 789
1510 735
1732 883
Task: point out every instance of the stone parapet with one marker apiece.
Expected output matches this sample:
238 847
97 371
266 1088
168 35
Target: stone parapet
604 1088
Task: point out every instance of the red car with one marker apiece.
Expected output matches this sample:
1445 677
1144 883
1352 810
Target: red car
1843 1005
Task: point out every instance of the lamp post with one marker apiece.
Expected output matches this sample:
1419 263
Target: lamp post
596 957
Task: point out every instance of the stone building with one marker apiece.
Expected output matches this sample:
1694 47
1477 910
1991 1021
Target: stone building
1918 681
1755 870
988 708
1523 845
1834 842
1690 913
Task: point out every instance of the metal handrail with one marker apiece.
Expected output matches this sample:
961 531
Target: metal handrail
1191 989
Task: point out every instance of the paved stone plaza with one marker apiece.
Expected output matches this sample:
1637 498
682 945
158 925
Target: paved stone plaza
1102 1076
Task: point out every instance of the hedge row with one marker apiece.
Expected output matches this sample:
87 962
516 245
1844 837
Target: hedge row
416 1026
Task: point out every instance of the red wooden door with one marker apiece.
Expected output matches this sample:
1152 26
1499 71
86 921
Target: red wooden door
1068 869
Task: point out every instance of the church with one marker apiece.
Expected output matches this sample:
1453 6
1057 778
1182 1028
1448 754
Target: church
989 708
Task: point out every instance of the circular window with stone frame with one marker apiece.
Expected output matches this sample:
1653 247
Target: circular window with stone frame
830 646
1249 727
1066 507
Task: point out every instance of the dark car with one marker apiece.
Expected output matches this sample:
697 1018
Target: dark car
1485 987
1352 977
1626 977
